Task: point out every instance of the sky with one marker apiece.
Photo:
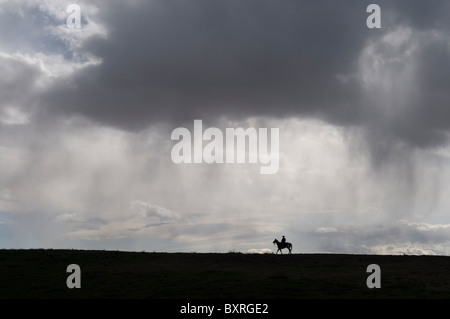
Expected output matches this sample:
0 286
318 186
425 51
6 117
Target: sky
86 116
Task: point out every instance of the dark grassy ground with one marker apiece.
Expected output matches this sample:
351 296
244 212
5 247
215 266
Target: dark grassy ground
113 274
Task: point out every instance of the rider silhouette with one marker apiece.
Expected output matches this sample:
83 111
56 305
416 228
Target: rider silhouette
283 241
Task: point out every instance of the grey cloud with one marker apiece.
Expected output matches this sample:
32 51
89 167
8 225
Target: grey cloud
175 61
17 86
390 238
155 212
76 219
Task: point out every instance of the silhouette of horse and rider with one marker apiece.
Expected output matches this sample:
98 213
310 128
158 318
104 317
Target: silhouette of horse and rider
282 245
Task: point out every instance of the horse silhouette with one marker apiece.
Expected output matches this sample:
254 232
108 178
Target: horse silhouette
282 246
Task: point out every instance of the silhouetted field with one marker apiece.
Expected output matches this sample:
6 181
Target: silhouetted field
114 274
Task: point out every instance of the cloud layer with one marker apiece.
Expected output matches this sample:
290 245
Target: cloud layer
86 116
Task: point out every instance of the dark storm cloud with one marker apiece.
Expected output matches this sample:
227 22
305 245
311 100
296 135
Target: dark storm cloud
176 60
179 60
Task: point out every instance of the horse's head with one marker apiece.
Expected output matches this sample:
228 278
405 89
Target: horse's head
274 241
